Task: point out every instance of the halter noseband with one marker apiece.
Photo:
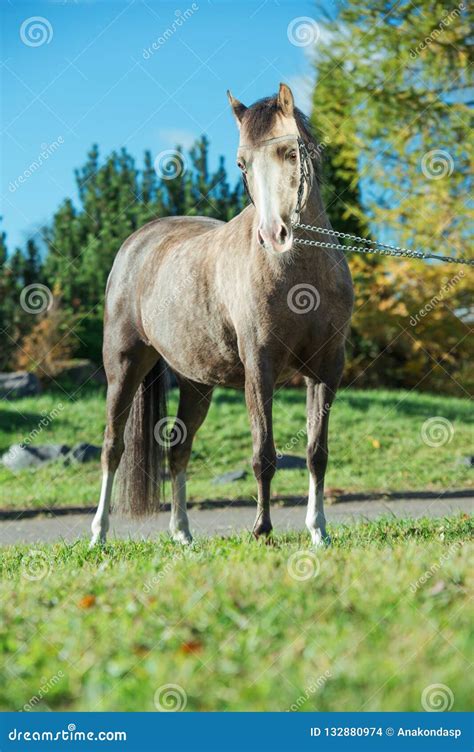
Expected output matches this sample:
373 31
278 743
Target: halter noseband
306 172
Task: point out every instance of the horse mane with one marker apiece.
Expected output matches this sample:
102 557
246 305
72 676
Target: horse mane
259 119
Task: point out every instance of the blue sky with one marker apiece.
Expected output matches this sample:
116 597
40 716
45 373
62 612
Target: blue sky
92 81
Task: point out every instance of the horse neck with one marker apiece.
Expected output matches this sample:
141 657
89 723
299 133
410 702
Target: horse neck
326 266
314 212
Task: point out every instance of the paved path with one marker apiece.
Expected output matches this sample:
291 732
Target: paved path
224 521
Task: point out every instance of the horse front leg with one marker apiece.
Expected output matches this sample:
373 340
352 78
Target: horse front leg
259 397
319 400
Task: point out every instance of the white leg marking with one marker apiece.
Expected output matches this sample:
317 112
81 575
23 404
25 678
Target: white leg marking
315 519
179 525
100 523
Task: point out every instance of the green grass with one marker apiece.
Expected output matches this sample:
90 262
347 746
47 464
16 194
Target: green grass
375 444
228 622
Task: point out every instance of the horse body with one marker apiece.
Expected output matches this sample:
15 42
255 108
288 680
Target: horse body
214 275
217 303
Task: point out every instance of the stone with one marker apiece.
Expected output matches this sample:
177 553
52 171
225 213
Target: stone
84 452
19 384
290 462
21 457
230 477
80 371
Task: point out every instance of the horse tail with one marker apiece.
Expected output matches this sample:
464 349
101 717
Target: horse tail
141 471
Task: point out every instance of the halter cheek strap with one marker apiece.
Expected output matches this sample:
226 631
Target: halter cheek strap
306 172
306 180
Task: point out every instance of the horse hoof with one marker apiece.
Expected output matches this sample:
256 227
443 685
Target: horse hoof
183 537
319 539
97 541
263 530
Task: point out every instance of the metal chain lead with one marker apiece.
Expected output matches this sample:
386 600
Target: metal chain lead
384 249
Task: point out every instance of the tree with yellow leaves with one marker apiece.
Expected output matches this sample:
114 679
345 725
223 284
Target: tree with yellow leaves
393 98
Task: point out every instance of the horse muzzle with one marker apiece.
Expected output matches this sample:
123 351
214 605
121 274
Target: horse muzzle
277 237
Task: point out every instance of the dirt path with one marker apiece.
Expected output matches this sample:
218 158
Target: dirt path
224 521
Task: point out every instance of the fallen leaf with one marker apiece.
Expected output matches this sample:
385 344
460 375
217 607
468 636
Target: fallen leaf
87 601
140 650
191 647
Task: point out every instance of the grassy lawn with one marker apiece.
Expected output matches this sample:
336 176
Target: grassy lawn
375 440
369 624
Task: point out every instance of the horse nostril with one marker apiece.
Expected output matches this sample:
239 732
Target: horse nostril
260 238
283 234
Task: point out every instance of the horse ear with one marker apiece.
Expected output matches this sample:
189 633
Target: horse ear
285 100
238 108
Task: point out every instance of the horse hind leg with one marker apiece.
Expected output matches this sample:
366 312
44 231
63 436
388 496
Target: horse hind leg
194 402
124 375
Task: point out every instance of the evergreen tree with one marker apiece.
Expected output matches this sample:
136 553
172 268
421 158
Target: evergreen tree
7 306
33 267
16 272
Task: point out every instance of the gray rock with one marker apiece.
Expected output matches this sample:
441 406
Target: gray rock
84 452
230 477
290 462
18 384
20 457
80 371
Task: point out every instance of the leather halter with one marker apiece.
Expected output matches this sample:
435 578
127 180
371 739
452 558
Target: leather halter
306 172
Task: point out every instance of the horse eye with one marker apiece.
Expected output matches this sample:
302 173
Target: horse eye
292 155
241 165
